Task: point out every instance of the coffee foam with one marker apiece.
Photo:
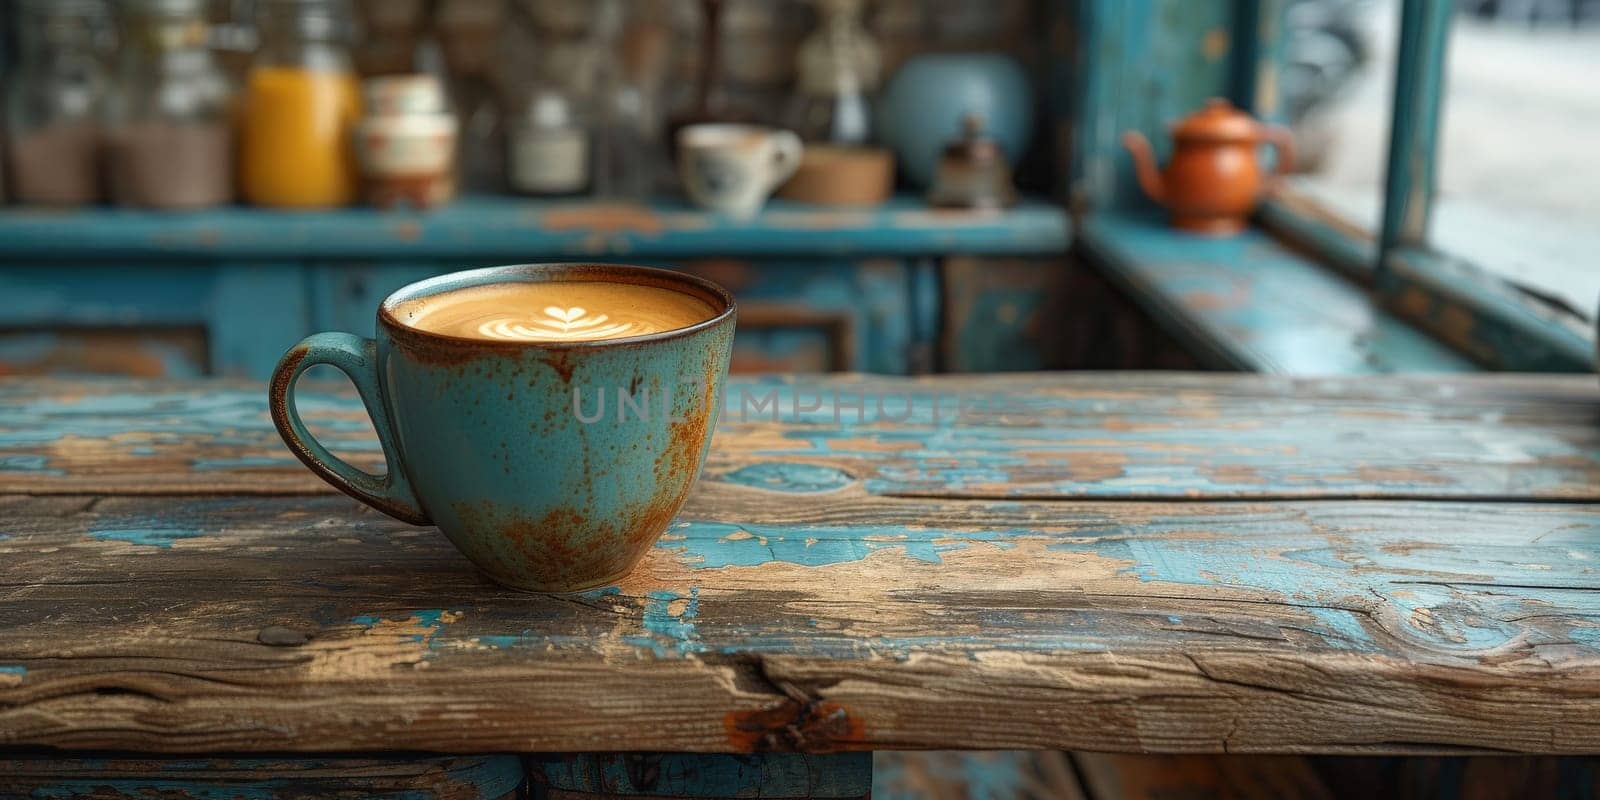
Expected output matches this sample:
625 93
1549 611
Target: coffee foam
554 311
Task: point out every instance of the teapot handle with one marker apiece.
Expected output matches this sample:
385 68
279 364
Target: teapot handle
1281 138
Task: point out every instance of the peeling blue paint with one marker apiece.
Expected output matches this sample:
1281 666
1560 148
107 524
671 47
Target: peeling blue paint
713 545
1586 635
230 417
243 462
28 462
432 619
507 640
13 669
148 537
429 618
1152 456
1306 567
1341 628
669 632
788 476
604 591
1090 455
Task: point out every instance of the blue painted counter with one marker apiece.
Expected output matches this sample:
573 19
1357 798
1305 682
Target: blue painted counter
500 228
227 292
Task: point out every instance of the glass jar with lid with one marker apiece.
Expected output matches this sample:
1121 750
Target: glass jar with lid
169 123
549 146
54 102
301 101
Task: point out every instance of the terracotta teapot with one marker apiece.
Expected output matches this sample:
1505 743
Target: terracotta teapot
1214 178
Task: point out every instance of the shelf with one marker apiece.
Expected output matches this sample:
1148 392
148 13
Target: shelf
524 229
1248 302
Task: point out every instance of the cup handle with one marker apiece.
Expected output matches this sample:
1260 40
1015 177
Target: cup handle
786 152
357 358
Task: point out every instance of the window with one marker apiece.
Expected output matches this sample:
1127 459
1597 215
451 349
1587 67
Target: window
1519 172
1482 223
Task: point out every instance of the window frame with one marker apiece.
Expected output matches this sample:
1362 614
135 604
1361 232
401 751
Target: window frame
1470 308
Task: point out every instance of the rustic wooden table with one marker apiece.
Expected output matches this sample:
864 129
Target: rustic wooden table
1134 562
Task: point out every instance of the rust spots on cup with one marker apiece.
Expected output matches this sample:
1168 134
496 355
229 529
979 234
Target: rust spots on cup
435 351
282 382
559 360
564 549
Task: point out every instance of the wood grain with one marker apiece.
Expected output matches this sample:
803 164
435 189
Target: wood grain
1154 436
833 621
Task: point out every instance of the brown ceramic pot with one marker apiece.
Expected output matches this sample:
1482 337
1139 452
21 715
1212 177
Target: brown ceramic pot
1214 178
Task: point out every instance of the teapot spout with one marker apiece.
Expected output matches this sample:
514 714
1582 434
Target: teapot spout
1144 166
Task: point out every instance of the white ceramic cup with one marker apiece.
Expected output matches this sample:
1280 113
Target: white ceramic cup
733 169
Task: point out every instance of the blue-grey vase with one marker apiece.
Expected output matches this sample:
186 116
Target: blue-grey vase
925 102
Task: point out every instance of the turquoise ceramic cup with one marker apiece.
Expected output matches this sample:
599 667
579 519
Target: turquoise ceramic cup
503 445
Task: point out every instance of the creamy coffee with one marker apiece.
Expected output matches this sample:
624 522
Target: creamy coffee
554 311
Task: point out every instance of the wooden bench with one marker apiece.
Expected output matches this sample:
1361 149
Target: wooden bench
1158 563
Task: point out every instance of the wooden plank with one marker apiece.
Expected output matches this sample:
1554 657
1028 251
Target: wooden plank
178 352
512 230
1297 218
1118 776
1106 330
1004 314
656 776
843 621
1115 436
1462 778
59 777
1480 313
1247 302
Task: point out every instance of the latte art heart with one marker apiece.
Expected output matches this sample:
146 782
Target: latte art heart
565 311
574 324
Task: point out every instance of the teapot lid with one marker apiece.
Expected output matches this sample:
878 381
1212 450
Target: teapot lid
1217 121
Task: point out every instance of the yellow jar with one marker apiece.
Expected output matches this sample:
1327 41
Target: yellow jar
301 102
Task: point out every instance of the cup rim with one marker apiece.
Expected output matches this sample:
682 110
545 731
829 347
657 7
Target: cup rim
541 273
719 134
